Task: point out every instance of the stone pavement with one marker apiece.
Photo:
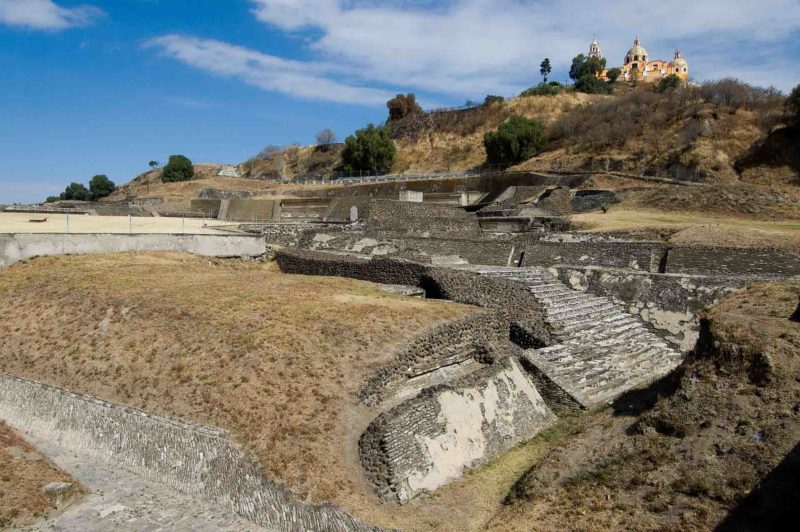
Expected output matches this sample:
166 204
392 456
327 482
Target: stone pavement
120 500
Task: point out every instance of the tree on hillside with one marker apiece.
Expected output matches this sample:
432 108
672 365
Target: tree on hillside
545 68
100 186
153 164
591 84
402 106
369 150
516 140
268 152
613 75
493 99
635 75
669 83
325 138
582 66
578 68
793 103
76 191
179 168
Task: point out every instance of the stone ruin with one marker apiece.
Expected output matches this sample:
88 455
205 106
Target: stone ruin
571 323
565 323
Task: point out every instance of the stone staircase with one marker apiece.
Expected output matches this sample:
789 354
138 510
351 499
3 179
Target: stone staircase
602 351
228 170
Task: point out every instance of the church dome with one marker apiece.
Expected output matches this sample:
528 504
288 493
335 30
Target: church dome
637 53
679 61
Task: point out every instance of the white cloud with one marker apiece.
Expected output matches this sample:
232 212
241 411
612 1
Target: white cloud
296 78
471 47
45 14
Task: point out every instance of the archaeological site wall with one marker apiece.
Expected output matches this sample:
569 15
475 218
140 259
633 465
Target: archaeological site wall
668 302
422 219
441 283
435 357
191 458
654 257
426 442
16 247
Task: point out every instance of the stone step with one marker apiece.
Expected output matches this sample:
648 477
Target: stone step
562 297
593 310
577 304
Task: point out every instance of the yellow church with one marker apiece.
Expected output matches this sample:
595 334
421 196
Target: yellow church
639 66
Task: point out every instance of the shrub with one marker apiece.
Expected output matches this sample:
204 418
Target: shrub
731 94
793 104
369 150
179 168
591 84
268 152
671 82
76 191
544 89
100 186
403 105
326 137
515 140
492 99
613 75
51 199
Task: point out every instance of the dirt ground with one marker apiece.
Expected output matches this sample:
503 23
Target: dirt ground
11 222
275 359
717 448
23 474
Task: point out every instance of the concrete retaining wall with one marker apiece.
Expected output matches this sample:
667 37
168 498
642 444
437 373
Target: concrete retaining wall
187 457
432 439
16 247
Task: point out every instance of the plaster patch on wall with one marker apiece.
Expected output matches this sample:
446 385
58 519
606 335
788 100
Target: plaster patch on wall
462 443
428 441
359 246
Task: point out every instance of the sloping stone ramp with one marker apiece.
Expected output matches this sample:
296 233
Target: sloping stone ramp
602 351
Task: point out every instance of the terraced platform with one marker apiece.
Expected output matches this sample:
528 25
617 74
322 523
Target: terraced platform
602 350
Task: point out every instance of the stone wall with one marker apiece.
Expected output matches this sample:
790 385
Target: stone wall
16 247
702 260
442 283
422 219
668 302
432 439
655 257
190 458
479 339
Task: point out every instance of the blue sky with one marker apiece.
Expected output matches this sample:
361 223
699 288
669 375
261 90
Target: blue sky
105 86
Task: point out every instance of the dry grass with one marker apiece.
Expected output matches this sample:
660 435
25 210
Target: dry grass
23 474
453 141
275 359
695 227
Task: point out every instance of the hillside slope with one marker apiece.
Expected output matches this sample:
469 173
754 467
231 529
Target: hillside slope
720 449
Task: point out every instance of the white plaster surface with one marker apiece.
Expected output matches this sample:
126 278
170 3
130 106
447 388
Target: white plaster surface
467 414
